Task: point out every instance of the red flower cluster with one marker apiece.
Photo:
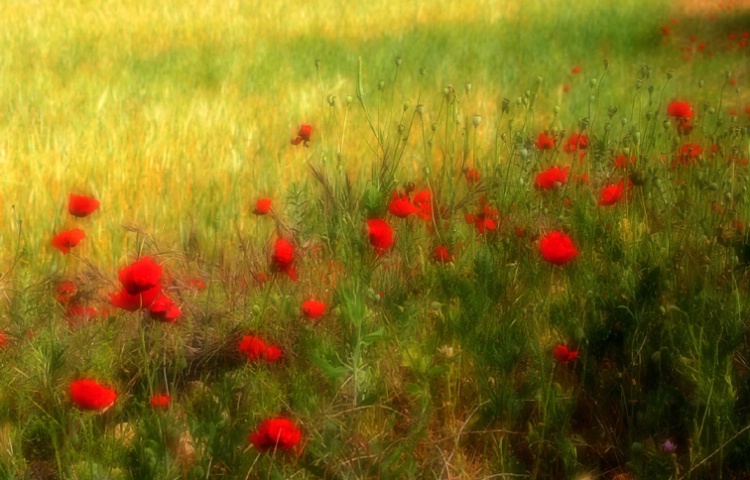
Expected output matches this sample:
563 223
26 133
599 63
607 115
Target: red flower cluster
81 206
557 248
563 354
402 206
68 239
256 349
303 136
282 259
551 178
576 142
89 395
486 219
276 434
688 154
142 289
380 234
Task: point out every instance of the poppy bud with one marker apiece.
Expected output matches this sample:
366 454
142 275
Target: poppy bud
592 83
397 61
476 120
419 109
556 109
381 84
467 87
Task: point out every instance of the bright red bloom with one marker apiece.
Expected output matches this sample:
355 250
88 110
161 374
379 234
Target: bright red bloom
680 110
576 142
89 395
486 219
160 401
303 136
551 178
401 207
423 201
164 310
263 206
68 239
563 354
442 255
132 303
283 258
273 353
557 248
313 308
380 234
611 194
472 176
576 69
545 142
80 206
140 276
253 347
275 434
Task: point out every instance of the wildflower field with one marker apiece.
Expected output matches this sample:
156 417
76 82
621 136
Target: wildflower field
349 240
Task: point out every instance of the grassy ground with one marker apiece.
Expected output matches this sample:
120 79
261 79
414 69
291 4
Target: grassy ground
177 116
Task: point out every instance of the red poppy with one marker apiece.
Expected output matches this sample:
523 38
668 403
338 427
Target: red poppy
520 232
283 258
576 69
68 239
380 234
132 303
442 255
545 142
196 283
566 88
611 194
557 248
472 176
423 201
64 292
253 347
81 206
89 395
680 110
576 142
401 207
665 30
313 308
303 136
263 206
275 434
563 354
140 276
160 401
551 178
273 353
687 154
164 309
3 340
486 219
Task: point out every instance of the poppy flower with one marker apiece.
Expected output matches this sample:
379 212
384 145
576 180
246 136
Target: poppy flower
196 283
3 340
665 31
441 254
576 142
423 201
576 69
140 276
622 161
401 207
611 194
283 258
273 353
262 207
89 395
687 154
64 291
131 303
551 178
313 309
557 248
486 219
520 232
160 401
253 347
380 234
68 239
472 176
275 434
680 110
82 206
303 136
566 88
164 309
545 142
563 354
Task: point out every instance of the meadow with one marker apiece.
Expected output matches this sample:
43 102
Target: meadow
438 239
